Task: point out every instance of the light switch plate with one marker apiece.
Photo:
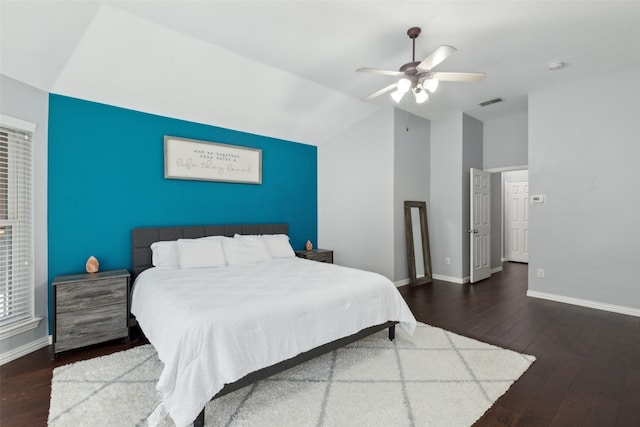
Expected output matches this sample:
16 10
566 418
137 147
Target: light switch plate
538 199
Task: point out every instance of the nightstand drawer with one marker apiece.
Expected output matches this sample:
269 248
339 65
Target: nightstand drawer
85 327
320 255
85 295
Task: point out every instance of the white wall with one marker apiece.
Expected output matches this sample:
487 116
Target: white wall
412 147
27 103
584 153
355 195
505 147
456 146
445 210
505 141
364 176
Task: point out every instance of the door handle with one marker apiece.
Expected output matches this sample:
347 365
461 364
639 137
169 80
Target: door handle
474 231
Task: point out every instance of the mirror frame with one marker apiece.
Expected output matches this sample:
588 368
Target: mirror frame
424 233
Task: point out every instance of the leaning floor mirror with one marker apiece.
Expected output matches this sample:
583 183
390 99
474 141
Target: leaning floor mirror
418 253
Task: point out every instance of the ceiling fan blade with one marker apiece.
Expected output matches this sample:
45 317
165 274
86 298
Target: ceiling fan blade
439 55
383 72
445 76
380 92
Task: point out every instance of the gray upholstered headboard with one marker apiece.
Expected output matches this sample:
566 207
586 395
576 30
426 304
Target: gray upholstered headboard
142 238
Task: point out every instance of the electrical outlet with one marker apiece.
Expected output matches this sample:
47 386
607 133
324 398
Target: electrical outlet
447 260
541 273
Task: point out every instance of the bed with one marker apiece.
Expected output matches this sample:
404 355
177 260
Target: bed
220 328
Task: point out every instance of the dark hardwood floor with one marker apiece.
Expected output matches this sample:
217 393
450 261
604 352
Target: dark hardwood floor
587 371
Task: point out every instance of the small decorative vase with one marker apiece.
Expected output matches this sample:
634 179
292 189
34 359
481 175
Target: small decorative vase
92 265
308 246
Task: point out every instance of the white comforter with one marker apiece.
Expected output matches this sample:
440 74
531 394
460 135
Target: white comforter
213 326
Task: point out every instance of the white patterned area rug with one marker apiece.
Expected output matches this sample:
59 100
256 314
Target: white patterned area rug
433 378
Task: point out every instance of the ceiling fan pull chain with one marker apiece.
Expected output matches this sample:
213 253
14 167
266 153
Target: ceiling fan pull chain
407 118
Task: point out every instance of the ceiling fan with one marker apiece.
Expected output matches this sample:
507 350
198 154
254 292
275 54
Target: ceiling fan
417 76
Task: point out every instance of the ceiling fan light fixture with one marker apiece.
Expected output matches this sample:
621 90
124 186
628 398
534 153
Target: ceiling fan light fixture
403 85
421 95
431 84
397 96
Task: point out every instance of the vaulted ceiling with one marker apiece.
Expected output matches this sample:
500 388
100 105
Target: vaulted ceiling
287 68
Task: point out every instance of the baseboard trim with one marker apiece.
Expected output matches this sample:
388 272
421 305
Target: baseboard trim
458 280
630 311
24 350
403 282
463 280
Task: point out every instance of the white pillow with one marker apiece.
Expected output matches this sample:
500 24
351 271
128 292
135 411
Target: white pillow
201 253
212 238
245 250
165 254
279 246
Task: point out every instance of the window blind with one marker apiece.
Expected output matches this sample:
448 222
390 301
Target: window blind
16 226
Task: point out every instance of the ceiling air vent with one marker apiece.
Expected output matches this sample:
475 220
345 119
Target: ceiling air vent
491 101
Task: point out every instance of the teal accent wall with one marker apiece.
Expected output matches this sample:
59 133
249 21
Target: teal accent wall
106 176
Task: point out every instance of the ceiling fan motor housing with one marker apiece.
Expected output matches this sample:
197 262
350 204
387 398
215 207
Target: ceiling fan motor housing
412 73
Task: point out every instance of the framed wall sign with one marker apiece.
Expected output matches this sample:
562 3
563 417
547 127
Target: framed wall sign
211 161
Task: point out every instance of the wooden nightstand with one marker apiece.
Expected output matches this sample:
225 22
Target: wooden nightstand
90 308
321 255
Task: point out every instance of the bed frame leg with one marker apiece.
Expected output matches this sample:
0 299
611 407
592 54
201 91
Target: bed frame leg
392 332
199 422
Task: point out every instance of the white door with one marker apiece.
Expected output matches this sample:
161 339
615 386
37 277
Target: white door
480 221
517 221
